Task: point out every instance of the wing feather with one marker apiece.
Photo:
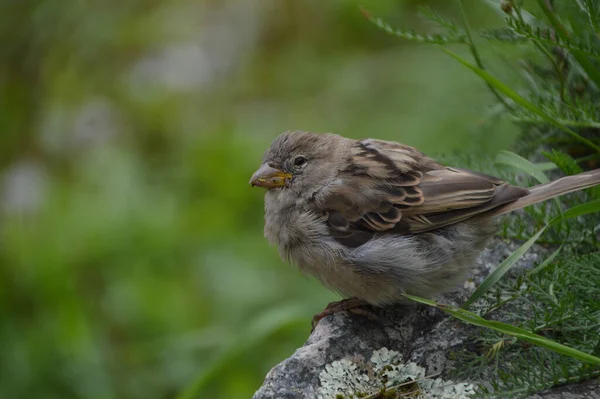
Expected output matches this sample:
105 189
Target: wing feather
391 188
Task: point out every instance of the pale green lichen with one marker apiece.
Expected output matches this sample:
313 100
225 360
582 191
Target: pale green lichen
342 377
385 376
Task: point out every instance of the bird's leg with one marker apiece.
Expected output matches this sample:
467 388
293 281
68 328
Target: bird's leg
354 305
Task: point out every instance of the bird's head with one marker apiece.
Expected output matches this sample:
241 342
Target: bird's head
300 162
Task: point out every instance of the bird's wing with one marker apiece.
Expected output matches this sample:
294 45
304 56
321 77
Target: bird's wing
393 188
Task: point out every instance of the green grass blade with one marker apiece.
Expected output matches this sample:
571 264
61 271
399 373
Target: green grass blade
546 166
511 330
496 275
579 210
516 161
545 263
520 100
502 268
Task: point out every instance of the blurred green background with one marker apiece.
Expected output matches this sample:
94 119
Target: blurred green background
132 262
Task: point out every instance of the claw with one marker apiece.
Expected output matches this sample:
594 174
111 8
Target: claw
354 305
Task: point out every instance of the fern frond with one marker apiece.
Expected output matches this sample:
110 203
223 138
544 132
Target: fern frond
544 35
583 115
565 162
429 14
434 38
503 35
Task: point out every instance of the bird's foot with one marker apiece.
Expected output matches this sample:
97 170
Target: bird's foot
354 305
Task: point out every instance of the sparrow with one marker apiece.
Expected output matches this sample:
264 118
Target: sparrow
374 220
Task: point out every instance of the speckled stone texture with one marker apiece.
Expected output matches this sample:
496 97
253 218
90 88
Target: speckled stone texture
584 390
421 334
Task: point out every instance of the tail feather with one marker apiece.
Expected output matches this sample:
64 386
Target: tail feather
550 190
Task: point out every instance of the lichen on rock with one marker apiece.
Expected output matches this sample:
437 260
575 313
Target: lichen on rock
386 376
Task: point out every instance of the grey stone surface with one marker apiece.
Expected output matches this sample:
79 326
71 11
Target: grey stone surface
421 334
584 390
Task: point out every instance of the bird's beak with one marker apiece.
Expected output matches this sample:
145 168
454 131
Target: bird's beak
269 177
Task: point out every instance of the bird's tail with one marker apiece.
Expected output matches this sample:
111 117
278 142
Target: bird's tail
553 189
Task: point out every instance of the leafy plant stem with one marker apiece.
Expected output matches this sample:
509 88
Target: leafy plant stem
517 98
501 303
559 74
509 329
552 60
475 53
592 125
548 324
589 68
561 30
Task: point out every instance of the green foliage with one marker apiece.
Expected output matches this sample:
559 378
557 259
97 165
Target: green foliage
521 164
502 269
564 90
556 304
453 34
564 162
518 30
508 329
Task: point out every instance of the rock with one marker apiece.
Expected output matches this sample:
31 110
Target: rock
584 390
345 352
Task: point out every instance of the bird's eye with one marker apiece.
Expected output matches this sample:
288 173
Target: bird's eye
300 161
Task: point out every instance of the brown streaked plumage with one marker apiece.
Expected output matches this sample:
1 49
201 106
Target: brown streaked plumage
375 219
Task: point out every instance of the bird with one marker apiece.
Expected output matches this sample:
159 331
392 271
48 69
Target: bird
375 220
